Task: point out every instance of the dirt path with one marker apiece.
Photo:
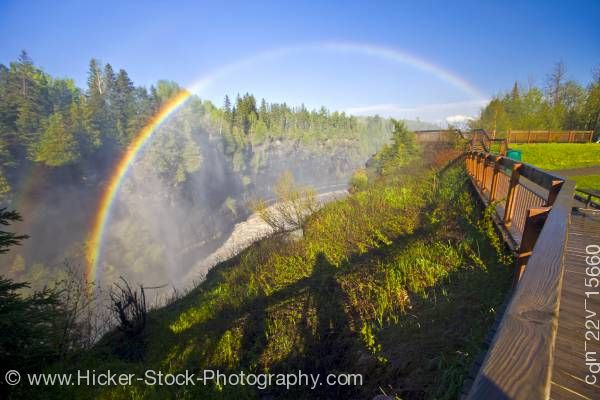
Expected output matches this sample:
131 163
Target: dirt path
594 170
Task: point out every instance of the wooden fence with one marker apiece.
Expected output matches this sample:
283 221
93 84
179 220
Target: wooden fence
532 209
549 136
482 141
437 135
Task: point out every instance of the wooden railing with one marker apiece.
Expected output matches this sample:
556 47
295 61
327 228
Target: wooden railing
532 209
588 198
437 135
549 136
482 138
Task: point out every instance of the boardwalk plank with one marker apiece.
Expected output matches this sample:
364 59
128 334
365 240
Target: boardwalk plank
569 369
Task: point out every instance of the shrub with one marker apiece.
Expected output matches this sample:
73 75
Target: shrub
293 205
359 180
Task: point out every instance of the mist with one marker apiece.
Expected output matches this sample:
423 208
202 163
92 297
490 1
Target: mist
177 205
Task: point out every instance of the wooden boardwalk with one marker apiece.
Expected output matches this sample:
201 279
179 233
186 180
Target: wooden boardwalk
578 326
546 344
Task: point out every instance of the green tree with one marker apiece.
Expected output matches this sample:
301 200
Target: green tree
124 107
8 239
591 109
95 106
572 103
173 153
110 94
26 88
145 105
165 90
61 94
400 152
58 145
227 105
6 162
26 324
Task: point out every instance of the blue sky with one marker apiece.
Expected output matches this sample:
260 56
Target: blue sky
282 50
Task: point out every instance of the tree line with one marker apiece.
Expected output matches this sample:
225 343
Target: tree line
561 104
246 122
246 117
51 122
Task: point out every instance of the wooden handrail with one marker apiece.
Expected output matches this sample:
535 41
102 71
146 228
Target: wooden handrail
587 199
540 177
481 136
519 362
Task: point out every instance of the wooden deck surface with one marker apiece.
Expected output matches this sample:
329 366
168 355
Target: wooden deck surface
574 338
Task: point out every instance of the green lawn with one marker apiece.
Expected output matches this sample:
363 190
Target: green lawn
587 182
553 156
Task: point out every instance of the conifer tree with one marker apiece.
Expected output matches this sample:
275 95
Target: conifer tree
227 105
57 146
95 110
26 90
111 111
123 104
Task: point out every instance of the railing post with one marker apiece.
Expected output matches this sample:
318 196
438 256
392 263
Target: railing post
494 186
477 169
588 201
533 226
480 164
556 185
509 209
468 161
472 164
484 173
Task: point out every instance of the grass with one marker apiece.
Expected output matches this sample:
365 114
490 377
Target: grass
555 156
587 181
398 282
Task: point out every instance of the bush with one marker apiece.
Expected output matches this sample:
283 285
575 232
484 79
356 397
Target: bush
293 205
359 180
129 308
29 337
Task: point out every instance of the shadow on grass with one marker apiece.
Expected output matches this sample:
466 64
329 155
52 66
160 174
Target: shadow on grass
428 350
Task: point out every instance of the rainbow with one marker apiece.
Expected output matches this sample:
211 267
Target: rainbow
102 216
117 177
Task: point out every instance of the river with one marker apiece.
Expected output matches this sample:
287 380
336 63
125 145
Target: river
243 235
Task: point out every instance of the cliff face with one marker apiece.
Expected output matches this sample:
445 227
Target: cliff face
219 194
158 231
322 165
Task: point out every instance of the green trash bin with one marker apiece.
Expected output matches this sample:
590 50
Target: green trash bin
514 154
